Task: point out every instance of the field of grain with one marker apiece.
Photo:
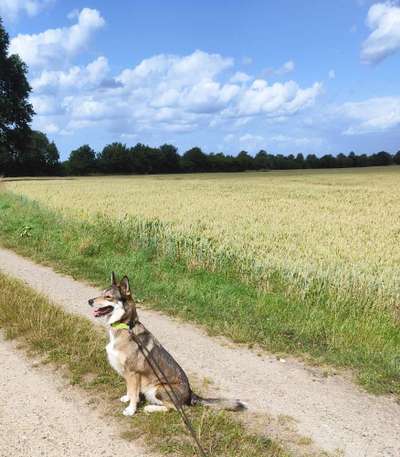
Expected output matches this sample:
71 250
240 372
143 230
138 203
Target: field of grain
342 226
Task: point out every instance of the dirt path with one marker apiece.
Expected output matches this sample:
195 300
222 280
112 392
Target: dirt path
336 414
40 415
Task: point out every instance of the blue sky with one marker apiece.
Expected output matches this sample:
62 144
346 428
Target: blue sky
289 76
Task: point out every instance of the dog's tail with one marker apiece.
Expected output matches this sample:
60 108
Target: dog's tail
218 403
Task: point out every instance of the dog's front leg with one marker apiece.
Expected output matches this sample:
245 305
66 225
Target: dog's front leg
133 389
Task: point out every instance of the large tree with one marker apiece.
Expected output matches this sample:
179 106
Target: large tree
194 161
82 161
15 110
114 158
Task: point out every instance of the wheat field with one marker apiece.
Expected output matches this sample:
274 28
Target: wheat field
341 226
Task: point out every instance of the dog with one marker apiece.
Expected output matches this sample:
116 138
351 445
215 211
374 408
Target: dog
126 332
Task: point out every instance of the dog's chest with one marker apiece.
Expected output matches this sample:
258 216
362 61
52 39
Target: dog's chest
115 357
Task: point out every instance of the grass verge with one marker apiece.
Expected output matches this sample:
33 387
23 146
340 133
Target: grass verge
74 343
343 334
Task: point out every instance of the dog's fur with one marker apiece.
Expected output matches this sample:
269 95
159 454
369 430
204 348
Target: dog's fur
117 305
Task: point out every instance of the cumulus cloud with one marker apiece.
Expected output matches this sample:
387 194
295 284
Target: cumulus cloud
46 105
176 70
12 8
384 21
240 77
373 115
55 45
277 99
332 74
163 93
75 77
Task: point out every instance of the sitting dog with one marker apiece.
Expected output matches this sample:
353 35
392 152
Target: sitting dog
132 362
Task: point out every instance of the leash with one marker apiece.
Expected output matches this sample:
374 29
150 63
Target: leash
171 394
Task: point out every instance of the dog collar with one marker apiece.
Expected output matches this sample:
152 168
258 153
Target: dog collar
120 325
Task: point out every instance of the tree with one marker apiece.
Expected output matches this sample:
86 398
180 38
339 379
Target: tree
194 160
382 158
396 158
82 161
170 158
138 159
261 160
15 110
115 158
41 156
312 161
244 161
300 162
328 161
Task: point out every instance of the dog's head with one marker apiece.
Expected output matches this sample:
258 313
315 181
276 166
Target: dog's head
115 302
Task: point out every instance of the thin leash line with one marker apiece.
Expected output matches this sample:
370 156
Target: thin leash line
172 395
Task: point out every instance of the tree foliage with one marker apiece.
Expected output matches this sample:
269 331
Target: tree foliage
15 110
117 158
82 161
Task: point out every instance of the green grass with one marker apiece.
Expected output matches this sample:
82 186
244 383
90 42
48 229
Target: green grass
75 344
345 334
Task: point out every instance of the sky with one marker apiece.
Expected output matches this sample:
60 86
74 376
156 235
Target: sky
288 77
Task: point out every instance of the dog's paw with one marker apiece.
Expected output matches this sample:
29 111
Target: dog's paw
124 398
129 411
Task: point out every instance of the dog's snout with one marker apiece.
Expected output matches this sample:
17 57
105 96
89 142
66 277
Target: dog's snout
91 301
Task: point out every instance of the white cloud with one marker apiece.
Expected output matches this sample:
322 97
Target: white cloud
230 137
299 141
55 45
384 21
277 99
240 77
73 14
332 74
163 93
76 77
287 67
250 138
174 70
46 105
372 115
51 128
12 8
284 69
248 141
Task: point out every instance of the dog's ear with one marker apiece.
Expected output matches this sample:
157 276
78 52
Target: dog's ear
124 286
113 279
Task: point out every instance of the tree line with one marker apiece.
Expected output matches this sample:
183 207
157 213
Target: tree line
117 158
25 152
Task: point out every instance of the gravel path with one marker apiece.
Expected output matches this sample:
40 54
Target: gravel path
336 414
41 416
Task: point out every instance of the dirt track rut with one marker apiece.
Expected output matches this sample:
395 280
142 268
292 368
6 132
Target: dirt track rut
40 415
